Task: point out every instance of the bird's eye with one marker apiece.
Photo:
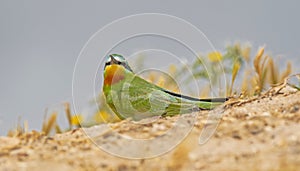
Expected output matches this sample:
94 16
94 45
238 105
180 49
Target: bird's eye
119 63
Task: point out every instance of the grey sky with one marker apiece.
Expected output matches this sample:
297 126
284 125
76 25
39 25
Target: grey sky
40 41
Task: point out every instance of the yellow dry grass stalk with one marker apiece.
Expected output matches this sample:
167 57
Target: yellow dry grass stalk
260 69
275 77
50 124
273 74
58 129
245 83
235 70
266 73
19 130
68 114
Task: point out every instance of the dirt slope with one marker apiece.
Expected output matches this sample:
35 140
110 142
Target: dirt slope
262 134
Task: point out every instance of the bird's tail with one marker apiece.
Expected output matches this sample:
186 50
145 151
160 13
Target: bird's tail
208 103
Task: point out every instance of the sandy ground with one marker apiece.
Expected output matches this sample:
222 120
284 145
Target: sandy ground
259 134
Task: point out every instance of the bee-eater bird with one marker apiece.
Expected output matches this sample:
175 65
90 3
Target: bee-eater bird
129 95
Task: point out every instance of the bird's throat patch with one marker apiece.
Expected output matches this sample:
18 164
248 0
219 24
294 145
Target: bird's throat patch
113 74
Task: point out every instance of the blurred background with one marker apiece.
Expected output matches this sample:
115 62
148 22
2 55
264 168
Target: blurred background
40 42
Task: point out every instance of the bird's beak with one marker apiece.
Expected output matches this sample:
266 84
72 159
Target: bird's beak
113 60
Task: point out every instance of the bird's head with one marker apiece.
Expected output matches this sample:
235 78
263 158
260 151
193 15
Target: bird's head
116 59
115 69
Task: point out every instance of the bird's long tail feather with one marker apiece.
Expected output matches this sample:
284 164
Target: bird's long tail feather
217 100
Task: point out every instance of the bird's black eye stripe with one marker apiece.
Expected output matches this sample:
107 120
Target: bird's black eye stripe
119 63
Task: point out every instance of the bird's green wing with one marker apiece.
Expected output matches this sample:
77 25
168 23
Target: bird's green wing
148 100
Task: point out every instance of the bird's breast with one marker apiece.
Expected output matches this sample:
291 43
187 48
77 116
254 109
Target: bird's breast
113 74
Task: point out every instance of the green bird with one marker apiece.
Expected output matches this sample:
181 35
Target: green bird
129 95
